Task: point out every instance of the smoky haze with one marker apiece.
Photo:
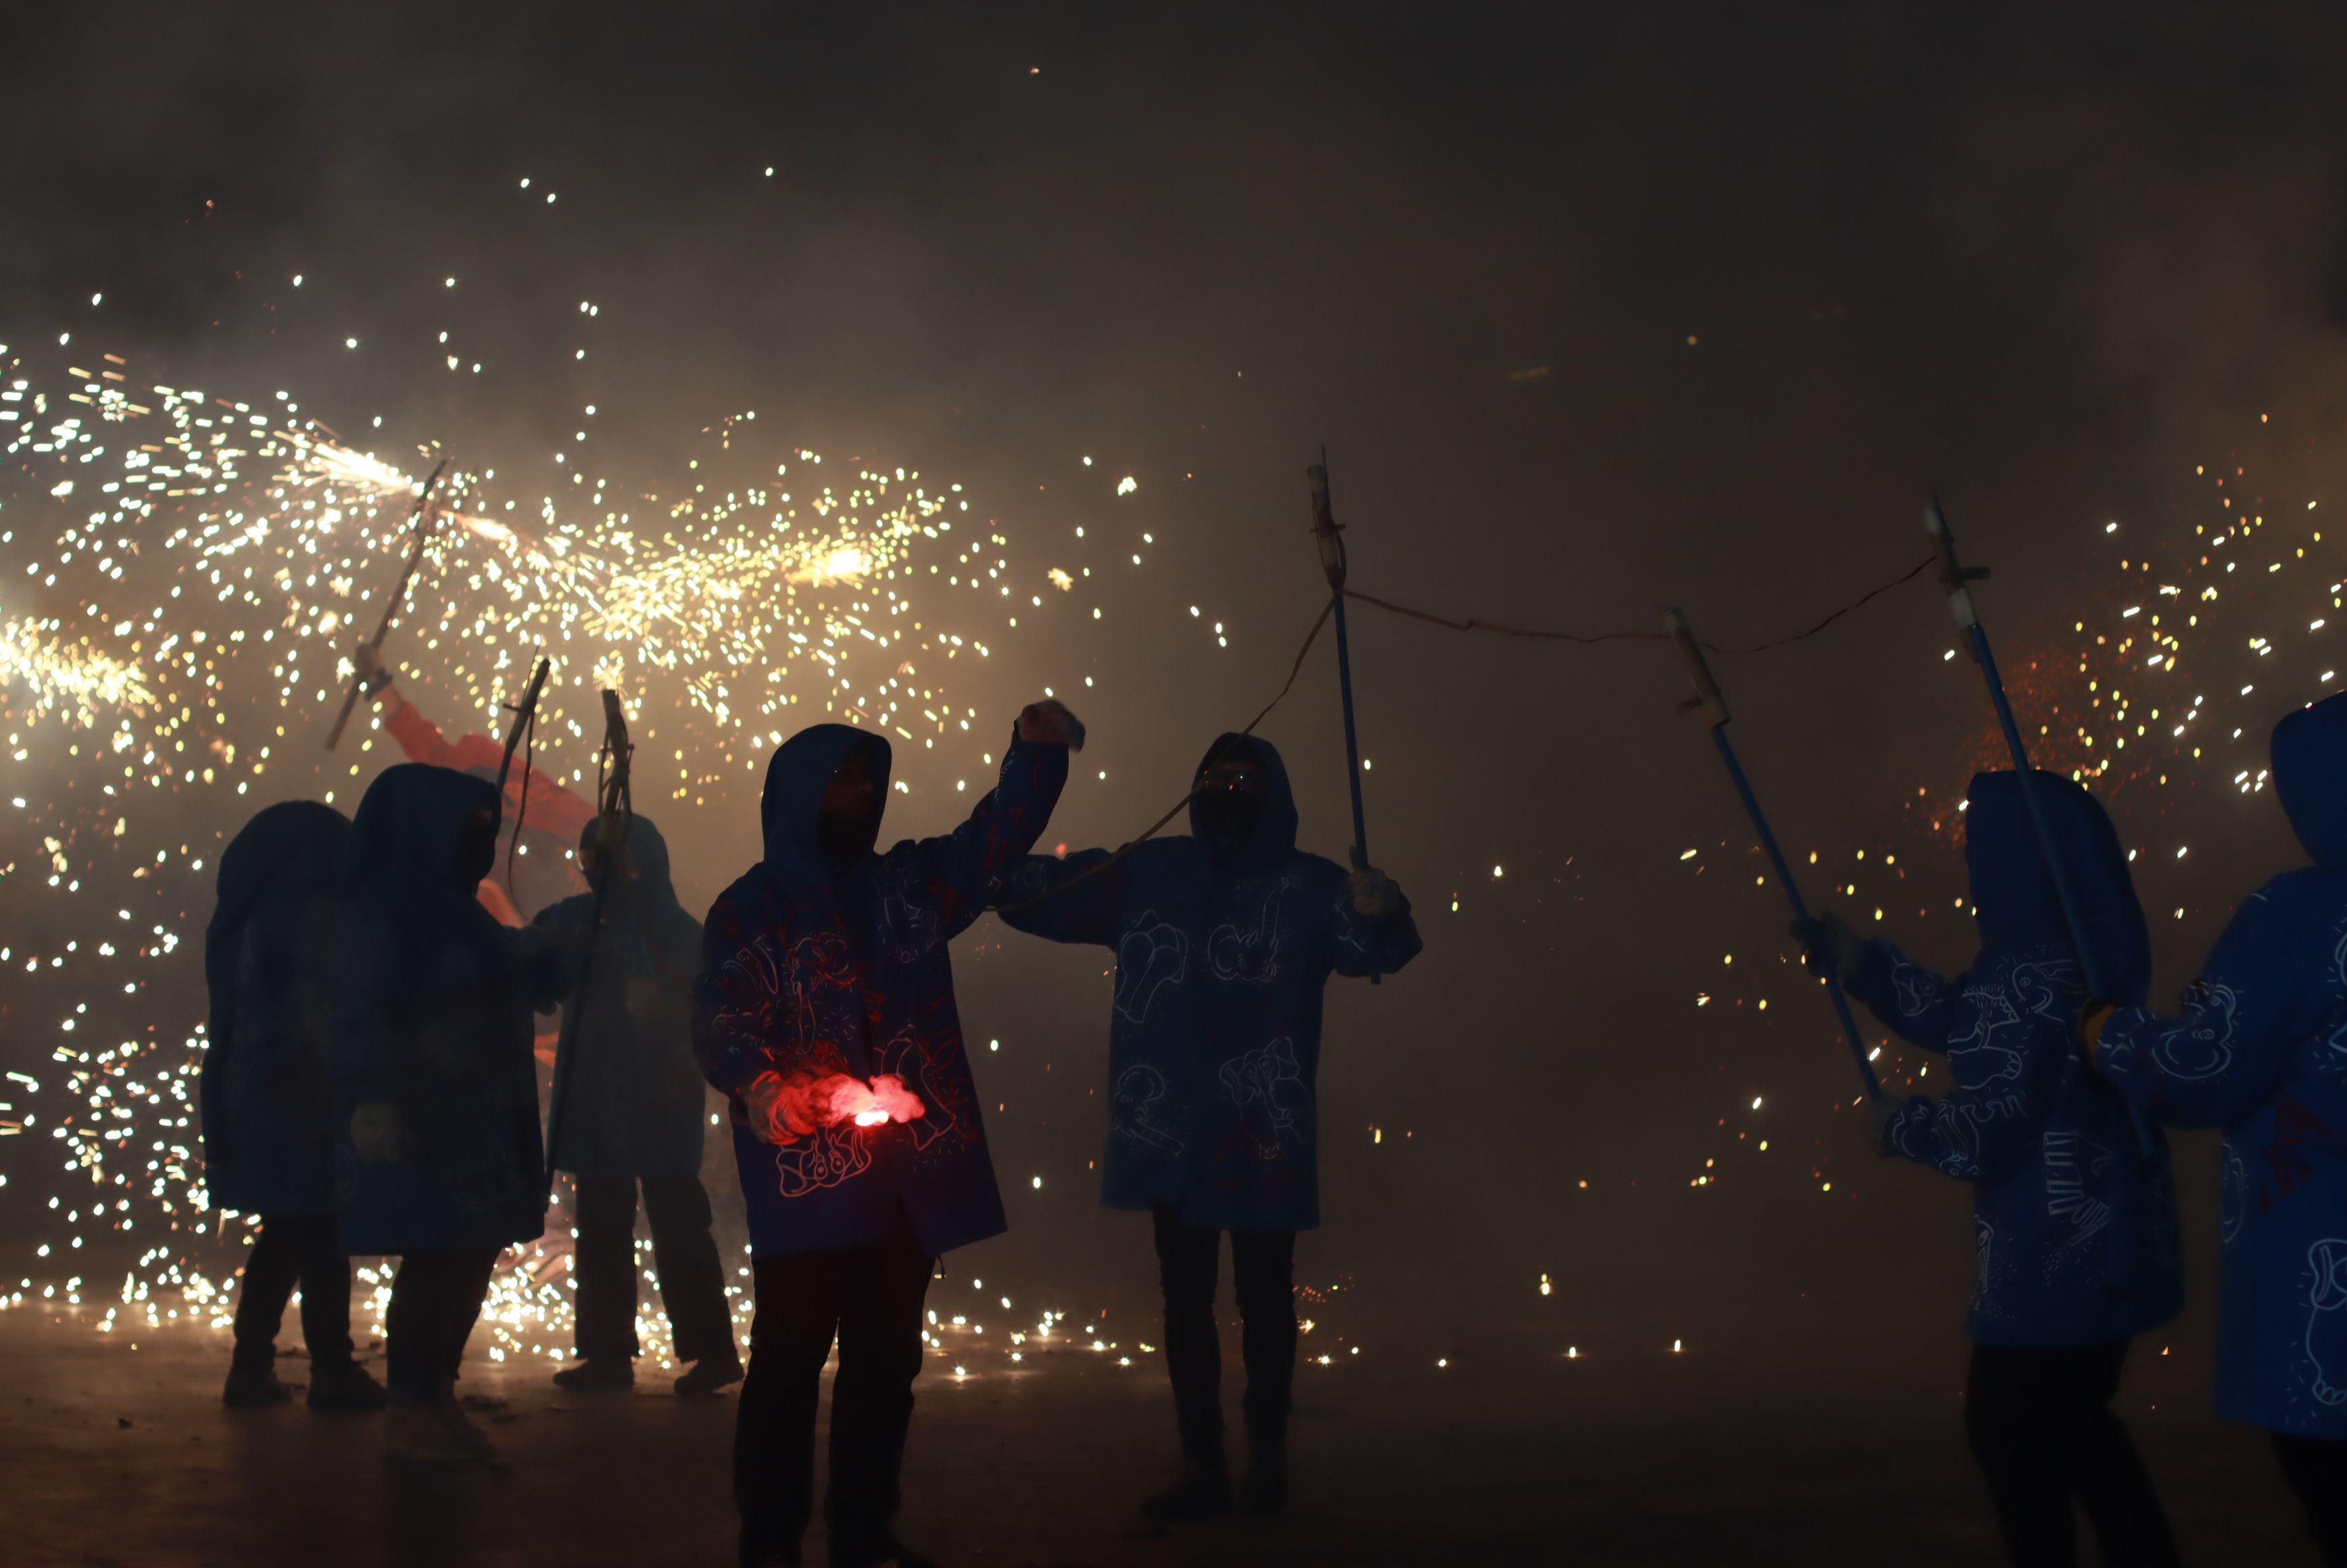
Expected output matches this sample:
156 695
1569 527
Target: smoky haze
1595 310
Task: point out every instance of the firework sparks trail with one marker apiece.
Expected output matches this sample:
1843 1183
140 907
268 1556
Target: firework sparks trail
190 570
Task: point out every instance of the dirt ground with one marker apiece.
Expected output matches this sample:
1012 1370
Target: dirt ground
1795 1452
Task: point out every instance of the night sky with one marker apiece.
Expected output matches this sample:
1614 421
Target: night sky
1595 310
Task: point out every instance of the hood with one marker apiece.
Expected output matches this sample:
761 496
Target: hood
287 854
2013 894
795 781
414 831
2310 774
1275 830
649 850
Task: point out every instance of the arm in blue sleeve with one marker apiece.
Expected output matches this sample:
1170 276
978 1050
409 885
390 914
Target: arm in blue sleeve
2006 1072
1080 898
2261 992
959 874
737 1012
1913 1003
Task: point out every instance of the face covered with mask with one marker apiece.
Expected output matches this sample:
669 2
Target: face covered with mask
1232 790
848 824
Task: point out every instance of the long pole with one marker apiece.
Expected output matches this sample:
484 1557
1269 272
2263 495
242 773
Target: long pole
1715 710
1333 562
1958 579
423 515
521 717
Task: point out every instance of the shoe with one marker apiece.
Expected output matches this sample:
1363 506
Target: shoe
422 1435
597 1374
1264 1494
348 1386
253 1389
890 1554
710 1374
1203 1491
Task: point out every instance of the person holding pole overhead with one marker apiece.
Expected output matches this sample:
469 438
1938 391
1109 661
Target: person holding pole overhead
2259 1047
1225 940
2052 1161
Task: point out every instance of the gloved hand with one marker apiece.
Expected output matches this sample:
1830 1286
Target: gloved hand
373 674
1828 939
1049 723
379 1132
1376 895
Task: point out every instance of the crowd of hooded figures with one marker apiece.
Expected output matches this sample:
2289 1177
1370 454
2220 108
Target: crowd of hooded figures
372 1088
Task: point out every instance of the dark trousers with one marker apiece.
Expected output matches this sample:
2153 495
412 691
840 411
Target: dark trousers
1263 1264
691 1279
870 1299
292 1248
434 1301
2316 1469
2039 1424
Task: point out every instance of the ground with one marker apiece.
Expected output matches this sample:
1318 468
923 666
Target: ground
1805 1454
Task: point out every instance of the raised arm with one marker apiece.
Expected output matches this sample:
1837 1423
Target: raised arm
2264 989
937 887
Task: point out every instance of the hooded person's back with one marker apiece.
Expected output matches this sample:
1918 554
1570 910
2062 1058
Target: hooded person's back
2259 1047
633 1097
1225 939
434 1019
269 955
2074 1229
831 958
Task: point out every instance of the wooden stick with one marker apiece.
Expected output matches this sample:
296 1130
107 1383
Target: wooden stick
423 514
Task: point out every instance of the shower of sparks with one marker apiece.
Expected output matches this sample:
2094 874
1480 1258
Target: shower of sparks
182 578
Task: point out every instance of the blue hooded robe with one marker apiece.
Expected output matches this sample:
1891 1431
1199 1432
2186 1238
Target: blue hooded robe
811 966
2074 1232
633 1102
2260 1049
268 964
1215 1037
435 1018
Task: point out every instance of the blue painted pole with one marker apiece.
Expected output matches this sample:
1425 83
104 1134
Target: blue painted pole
1958 580
1333 561
1715 710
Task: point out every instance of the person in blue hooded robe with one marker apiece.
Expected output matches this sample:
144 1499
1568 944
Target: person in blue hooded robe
825 1013
2259 1047
268 1120
1225 940
633 1110
438 1156
2073 1229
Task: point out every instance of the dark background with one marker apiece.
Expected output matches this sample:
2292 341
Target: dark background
1596 309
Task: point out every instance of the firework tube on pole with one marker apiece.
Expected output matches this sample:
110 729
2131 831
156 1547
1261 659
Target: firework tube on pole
617 804
423 514
1958 579
1716 715
1330 535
